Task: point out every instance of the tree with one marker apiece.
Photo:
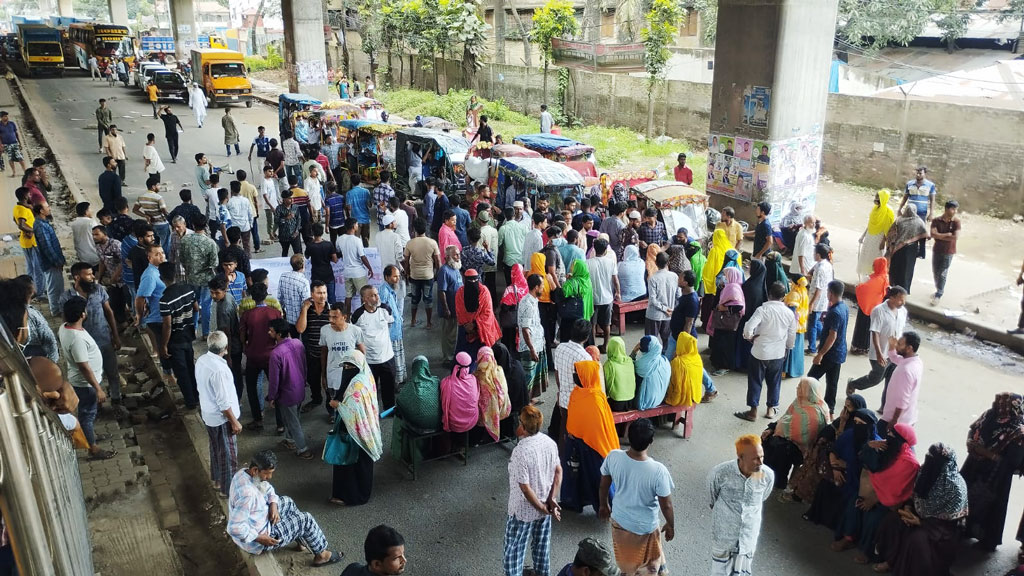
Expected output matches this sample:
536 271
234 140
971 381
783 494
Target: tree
470 30
555 19
707 10
952 18
662 24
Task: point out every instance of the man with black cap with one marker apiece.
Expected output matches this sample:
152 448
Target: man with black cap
593 558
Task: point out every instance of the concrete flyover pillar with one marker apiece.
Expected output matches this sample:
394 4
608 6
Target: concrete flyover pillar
65 8
118 12
772 66
183 28
305 51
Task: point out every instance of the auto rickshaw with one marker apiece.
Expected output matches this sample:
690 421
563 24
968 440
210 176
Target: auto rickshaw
289 107
371 147
519 177
680 205
372 109
443 157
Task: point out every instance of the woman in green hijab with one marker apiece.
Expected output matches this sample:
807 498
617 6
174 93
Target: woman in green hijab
577 286
418 406
619 376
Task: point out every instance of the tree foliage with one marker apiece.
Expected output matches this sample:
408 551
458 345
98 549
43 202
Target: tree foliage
555 19
661 25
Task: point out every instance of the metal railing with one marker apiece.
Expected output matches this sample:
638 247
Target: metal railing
40 486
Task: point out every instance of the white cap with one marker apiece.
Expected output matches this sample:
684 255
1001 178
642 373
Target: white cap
388 219
634 215
518 204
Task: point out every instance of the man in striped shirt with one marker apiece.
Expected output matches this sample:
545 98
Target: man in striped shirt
178 306
151 206
293 289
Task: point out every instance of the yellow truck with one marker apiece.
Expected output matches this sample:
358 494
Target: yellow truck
222 75
41 49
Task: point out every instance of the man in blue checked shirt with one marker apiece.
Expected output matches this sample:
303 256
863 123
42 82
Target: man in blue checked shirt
51 256
921 193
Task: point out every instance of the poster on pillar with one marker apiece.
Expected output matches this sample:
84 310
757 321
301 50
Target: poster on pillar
729 173
757 103
311 73
795 164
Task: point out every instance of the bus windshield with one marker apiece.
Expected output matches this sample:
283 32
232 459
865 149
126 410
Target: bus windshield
44 49
229 69
106 48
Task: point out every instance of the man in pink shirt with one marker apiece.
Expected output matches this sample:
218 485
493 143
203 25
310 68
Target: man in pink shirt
899 399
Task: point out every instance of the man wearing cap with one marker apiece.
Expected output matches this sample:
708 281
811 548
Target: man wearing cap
945 231
629 236
643 485
593 558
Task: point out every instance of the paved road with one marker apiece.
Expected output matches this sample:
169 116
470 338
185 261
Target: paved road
453 516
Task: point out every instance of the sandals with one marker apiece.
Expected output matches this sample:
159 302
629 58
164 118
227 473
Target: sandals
307 455
102 454
336 501
745 416
334 559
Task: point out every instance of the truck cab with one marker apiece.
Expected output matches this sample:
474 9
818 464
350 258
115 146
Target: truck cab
223 76
42 49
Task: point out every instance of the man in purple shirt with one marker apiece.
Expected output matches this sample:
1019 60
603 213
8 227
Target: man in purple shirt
287 387
899 400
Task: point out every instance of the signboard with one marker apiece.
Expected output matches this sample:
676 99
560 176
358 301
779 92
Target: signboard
275 267
598 57
157 44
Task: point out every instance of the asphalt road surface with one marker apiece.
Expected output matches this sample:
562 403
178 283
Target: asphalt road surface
453 516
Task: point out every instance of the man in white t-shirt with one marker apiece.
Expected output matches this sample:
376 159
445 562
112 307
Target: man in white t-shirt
375 321
85 370
888 320
268 189
151 157
604 276
355 266
821 274
337 339
803 248
642 486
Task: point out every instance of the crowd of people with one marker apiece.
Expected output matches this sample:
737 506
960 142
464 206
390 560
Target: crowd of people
519 292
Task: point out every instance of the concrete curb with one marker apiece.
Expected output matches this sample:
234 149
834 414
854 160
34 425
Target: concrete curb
262 565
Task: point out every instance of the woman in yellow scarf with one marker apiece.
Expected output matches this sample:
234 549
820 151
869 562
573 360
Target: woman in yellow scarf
592 436
871 241
799 302
720 244
547 309
686 384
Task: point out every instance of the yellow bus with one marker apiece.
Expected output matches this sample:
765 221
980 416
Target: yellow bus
100 40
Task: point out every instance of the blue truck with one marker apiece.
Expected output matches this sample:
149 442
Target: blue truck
42 49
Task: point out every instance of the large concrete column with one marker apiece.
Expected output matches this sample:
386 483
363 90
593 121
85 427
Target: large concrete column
305 53
65 8
118 12
772 64
183 28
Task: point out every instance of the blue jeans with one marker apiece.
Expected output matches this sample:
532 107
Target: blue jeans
422 289
87 407
290 171
709 385
769 371
813 330
34 268
331 296
163 232
205 306
53 279
255 235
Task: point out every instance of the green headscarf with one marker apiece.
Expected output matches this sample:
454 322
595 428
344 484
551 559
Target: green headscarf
419 402
697 263
578 286
776 271
619 375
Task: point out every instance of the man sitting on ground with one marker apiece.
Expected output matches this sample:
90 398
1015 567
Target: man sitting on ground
259 520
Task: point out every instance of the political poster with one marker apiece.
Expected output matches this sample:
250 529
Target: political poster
757 102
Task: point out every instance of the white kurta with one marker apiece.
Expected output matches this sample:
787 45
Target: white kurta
198 103
736 506
869 250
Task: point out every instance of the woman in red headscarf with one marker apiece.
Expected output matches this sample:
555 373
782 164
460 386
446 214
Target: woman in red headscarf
870 293
477 325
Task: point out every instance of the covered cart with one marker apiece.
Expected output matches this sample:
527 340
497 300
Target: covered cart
372 109
557 148
443 156
291 108
681 206
371 147
519 177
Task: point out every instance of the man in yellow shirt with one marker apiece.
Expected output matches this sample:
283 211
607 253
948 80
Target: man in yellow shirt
250 193
24 219
733 229
152 92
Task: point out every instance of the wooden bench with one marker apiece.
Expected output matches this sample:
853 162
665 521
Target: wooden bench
416 436
620 309
680 413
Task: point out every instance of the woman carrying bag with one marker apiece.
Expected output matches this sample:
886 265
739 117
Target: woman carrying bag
354 443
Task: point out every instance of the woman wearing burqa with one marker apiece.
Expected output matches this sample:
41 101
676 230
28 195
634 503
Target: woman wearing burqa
511 297
901 246
712 267
591 433
787 441
417 405
652 373
816 468
356 404
755 293
829 506
995 452
515 378
920 539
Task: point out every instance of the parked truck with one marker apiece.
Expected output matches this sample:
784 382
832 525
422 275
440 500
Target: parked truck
222 75
42 49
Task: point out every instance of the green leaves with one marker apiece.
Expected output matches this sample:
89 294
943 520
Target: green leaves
555 19
662 25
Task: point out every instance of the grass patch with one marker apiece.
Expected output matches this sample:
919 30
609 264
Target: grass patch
616 148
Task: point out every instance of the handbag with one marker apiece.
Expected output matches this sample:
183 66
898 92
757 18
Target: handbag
726 320
340 449
568 307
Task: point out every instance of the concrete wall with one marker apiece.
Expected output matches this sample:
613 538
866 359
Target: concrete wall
972 153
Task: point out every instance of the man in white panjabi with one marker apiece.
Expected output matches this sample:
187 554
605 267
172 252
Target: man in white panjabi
198 102
738 489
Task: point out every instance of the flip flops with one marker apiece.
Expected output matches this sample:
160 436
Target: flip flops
334 559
